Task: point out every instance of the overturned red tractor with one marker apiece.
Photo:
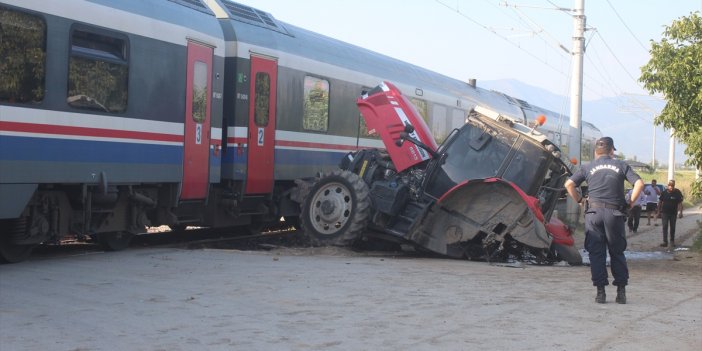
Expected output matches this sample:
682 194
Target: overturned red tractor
488 192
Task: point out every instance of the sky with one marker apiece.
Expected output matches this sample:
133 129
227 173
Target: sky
488 40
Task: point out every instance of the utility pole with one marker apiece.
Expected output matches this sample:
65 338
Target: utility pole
576 97
653 155
671 155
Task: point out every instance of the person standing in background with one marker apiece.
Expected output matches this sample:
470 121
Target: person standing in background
670 205
634 211
652 192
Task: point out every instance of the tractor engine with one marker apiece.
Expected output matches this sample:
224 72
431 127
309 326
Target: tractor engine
389 189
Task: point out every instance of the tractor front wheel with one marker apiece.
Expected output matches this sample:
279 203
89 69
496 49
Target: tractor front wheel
337 209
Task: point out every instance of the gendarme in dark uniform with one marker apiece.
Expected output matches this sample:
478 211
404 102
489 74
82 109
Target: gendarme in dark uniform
605 215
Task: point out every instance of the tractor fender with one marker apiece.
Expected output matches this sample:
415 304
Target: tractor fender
560 232
478 211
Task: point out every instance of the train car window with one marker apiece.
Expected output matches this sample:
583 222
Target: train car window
263 98
23 52
199 92
422 107
587 153
316 104
363 130
458 118
438 123
98 71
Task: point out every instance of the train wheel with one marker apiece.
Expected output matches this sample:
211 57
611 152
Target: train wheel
114 241
9 251
337 209
12 253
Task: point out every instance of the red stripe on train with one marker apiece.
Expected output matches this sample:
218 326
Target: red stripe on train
88 132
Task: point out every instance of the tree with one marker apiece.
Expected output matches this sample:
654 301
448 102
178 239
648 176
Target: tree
675 70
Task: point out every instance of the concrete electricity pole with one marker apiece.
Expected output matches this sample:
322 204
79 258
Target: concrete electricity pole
671 155
576 97
653 155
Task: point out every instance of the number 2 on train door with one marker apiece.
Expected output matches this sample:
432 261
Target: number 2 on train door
261 135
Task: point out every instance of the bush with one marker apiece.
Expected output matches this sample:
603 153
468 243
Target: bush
697 245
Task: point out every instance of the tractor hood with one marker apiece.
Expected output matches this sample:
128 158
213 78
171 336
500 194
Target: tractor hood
480 211
387 112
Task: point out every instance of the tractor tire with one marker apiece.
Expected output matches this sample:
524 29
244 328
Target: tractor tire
337 209
569 254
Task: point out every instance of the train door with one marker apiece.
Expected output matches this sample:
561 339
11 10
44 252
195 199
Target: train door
261 138
196 143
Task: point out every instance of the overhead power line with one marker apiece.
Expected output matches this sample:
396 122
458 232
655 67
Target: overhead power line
538 29
462 14
627 27
617 58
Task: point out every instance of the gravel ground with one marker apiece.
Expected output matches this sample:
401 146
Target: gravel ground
297 298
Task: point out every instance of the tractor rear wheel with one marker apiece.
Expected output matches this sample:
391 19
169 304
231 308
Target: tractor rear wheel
337 209
569 254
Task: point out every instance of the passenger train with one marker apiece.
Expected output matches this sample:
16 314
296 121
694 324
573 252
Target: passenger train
118 115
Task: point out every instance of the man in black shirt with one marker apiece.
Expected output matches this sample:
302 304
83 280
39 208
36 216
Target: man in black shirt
605 215
670 204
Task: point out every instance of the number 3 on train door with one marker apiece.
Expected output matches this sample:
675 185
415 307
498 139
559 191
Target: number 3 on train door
261 139
196 142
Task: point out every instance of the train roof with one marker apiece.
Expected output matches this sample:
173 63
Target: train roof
171 21
254 30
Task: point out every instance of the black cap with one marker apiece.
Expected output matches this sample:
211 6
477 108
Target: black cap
605 143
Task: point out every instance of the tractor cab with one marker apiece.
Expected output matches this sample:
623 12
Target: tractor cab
495 147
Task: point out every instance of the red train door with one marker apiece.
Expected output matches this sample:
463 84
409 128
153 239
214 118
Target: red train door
196 142
261 139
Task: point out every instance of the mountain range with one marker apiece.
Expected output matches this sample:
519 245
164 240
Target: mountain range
619 117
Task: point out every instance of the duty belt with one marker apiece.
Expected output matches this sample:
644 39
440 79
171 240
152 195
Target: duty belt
604 205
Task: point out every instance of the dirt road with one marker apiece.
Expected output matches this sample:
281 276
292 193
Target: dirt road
331 299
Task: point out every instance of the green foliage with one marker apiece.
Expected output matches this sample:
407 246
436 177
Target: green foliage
696 191
316 109
675 69
22 49
697 244
263 92
102 84
199 103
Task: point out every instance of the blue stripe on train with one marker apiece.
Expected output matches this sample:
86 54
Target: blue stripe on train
288 157
65 150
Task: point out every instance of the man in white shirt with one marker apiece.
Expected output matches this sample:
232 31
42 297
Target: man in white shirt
635 211
652 192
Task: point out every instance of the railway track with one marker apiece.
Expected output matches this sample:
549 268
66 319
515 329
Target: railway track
237 238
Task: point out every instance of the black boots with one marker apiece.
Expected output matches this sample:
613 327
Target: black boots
621 294
601 296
